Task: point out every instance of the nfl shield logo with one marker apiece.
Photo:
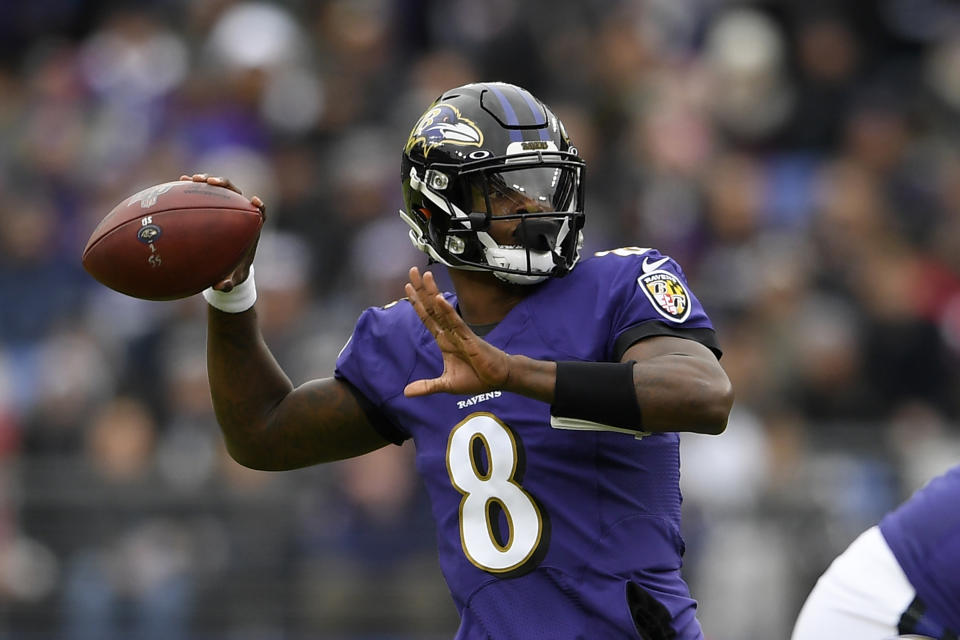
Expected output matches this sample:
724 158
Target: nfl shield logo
149 196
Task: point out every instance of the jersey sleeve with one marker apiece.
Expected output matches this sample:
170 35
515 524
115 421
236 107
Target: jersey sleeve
653 298
376 361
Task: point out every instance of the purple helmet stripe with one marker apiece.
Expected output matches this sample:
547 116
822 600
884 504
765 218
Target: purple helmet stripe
515 134
537 112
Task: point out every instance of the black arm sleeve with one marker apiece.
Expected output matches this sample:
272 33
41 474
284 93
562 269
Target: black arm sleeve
706 337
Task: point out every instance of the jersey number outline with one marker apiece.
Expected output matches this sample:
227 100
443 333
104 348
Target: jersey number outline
482 489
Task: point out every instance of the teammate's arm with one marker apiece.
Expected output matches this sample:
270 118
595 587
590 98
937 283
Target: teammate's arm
677 384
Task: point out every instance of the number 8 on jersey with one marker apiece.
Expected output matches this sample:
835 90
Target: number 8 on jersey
486 490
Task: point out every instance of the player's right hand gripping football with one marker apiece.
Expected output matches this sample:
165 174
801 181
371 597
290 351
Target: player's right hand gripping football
470 363
243 269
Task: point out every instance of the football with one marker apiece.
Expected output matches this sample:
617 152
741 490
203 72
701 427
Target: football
172 240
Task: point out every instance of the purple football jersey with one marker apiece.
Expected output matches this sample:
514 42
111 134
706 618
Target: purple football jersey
924 535
545 527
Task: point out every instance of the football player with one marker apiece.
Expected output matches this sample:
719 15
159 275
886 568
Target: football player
899 579
544 395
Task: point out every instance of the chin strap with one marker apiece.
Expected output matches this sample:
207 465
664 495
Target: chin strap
509 258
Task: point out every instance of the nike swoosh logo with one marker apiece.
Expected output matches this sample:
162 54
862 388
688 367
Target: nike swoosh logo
653 266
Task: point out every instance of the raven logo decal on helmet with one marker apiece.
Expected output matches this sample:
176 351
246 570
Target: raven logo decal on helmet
443 124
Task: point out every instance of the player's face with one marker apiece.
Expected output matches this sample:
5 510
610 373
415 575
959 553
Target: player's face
503 231
508 202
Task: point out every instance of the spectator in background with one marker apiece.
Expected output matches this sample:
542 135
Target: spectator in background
121 560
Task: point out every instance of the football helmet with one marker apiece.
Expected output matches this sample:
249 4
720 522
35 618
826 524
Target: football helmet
491 182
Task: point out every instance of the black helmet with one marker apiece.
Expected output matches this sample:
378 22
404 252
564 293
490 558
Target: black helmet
489 141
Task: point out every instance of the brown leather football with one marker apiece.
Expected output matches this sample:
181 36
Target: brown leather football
172 240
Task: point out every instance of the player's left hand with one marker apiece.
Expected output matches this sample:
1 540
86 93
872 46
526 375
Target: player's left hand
470 363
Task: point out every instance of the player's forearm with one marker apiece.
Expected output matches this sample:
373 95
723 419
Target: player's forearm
532 378
246 383
675 392
662 384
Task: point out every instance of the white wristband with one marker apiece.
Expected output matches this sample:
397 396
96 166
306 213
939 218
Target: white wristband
238 300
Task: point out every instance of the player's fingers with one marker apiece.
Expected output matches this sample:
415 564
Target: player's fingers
423 295
449 320
414 276
442 311
422 312
258 203
414 299
429 293
423 387
220 181
430 284
442 316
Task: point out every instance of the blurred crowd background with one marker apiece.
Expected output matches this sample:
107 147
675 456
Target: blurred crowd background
799 158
